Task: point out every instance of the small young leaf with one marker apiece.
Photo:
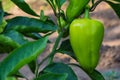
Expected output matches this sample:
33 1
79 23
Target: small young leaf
24 6
42 16
21 56
52 76
66 48
29 25
115 6
61 68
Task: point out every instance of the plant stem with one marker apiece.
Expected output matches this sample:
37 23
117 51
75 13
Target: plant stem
59 22
36 69
87 9
55 46
92 2
95 5
52 6
51 55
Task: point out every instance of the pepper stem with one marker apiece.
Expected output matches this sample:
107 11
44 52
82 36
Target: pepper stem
87 10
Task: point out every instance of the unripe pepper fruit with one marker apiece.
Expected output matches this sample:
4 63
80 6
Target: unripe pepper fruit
86 36
75 8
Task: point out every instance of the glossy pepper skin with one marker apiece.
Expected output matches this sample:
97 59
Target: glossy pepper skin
75 8
86 36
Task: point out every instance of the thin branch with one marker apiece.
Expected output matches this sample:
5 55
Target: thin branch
55 46
51 55
95 5
49 33
52 6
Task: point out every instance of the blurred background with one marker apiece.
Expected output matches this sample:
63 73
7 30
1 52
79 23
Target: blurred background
109 63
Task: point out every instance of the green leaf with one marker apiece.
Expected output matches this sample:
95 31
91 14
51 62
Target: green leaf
16 36
42 16
117 0
1 16
18 75
21 56
2 25
95 75
61 68
1 12
60 3
10 78
93 1
66 48
24 6
29 25
7 44
52 76
115 6
33 35
11 40
32 65
7 5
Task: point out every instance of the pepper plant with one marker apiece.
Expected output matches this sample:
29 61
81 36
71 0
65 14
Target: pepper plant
86 35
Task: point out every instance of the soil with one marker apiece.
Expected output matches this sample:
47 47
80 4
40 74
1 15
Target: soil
110 50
